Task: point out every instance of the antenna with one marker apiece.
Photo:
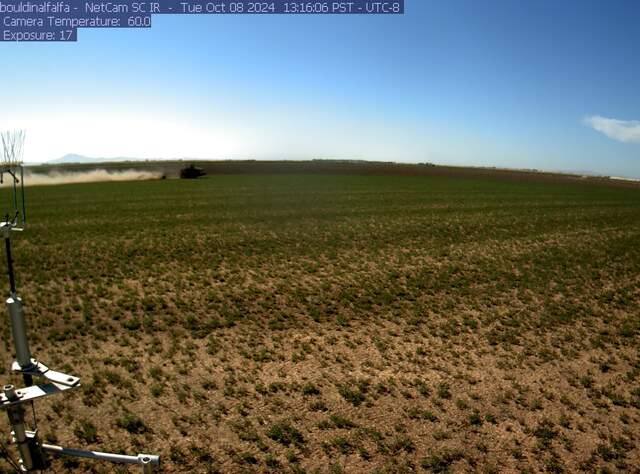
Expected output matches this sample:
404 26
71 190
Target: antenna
11 164
14 400
12 143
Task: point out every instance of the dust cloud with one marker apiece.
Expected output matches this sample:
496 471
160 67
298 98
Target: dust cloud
92 176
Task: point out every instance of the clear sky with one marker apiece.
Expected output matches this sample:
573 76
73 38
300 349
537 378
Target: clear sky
546 84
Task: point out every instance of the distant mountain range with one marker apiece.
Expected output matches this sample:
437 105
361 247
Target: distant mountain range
73 158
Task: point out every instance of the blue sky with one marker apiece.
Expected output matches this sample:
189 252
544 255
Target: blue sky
550 85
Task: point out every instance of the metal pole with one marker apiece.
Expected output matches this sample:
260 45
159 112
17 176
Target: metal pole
16 420
24 204
15 190
19 330
147 461
12 281
18 323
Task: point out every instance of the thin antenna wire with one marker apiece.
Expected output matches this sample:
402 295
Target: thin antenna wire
5 454
12 147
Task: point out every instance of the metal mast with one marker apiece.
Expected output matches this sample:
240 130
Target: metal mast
15 401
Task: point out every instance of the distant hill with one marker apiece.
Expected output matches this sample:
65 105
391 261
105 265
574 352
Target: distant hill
73 158
81 159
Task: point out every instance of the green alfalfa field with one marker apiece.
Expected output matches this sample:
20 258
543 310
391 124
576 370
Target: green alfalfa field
357 324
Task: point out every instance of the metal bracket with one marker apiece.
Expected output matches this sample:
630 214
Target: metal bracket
40 370
34 392
7 227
